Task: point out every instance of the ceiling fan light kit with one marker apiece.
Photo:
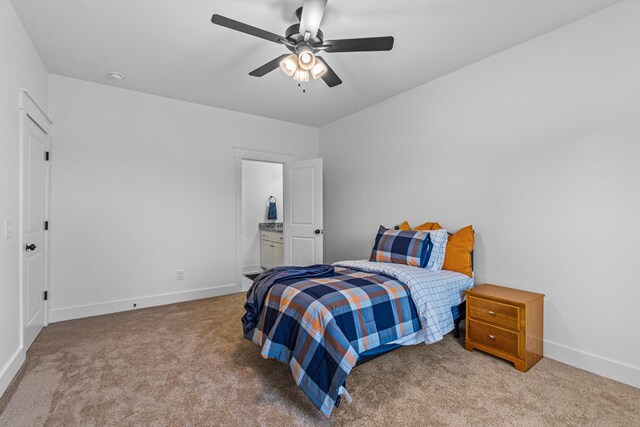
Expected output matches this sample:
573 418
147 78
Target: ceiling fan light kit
305 40
302 65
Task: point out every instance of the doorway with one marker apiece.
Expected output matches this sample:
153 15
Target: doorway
300 207
242 154
262 213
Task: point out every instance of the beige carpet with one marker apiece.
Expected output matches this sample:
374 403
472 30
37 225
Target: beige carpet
186 364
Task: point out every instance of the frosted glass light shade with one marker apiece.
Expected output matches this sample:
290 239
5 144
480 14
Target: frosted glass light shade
318 70
301 75
306 58
289 65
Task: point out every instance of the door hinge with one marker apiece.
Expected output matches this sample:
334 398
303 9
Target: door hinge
46 225
45 295
46 156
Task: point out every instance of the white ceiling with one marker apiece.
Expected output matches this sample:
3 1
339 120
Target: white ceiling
170 48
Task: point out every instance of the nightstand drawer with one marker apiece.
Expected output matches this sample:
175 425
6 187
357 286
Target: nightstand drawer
494 337
504 315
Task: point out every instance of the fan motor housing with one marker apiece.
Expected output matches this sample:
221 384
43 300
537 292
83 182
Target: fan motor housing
293 35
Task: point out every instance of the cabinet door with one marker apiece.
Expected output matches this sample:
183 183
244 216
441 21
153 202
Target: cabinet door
277 254
266 255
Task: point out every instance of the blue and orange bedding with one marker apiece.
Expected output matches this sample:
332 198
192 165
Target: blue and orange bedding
322 326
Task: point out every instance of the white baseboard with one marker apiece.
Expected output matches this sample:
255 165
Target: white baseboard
77 312
590 362
10 369
599 365
251 269
246 283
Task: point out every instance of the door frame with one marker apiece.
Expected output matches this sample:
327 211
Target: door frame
31 110
240 154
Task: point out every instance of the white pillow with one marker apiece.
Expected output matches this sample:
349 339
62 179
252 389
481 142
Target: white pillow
439 239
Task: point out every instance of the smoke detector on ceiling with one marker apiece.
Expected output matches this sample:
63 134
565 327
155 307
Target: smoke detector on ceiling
115 75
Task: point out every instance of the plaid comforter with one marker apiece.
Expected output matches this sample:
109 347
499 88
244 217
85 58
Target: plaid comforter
432 292
319 326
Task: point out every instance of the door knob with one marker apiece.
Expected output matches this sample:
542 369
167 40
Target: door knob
317 231
31 247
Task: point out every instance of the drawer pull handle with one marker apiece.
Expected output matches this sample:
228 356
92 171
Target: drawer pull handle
493 313
491 337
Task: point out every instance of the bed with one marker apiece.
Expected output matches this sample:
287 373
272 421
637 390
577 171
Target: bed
323 327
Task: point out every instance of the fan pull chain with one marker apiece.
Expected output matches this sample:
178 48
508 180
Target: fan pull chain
303 89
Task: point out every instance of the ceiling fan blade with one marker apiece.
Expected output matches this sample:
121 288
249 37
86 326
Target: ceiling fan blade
244 28
312 13
330 77
369 44
268 67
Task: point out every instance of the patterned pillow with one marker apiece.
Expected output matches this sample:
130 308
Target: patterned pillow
439 240
402 247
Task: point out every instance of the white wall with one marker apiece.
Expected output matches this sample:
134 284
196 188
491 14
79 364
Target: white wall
260 180
143 186
539 148
20 67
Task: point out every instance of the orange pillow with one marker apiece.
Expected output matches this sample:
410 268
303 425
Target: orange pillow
458 253
424 227
429 226
405 226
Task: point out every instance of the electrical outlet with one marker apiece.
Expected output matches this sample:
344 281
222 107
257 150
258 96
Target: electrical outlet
179 274
8 229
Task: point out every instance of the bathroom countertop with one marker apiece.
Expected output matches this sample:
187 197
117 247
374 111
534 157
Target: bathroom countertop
270 226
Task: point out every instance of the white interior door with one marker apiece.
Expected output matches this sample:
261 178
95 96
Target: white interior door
36 144
303 234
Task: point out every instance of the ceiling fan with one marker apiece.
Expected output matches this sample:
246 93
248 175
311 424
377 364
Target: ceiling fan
305 40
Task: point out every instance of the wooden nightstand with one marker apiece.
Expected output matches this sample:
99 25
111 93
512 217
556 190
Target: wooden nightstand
505 322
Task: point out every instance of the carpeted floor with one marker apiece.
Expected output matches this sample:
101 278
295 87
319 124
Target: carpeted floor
186 364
